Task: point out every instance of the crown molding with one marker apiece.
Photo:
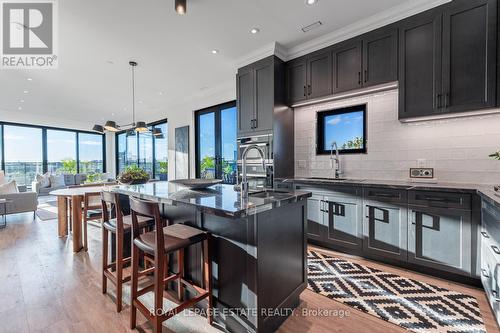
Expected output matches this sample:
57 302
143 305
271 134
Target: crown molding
273 48
373 22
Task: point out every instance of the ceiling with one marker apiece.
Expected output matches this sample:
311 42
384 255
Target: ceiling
97 39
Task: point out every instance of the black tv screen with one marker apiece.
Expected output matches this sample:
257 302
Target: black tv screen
345 126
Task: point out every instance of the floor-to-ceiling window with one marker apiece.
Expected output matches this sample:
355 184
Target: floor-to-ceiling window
26 150
147 150
216 150
90 153
23 154
61 152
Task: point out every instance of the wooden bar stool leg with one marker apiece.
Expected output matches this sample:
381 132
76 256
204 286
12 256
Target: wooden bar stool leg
207 274
85 245
180 269
134 280
119 270
158 292
104 259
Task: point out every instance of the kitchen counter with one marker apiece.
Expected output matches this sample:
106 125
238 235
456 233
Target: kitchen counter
259 248
221 200
485 191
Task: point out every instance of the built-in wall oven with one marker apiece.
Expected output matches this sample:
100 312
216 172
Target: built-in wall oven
257 176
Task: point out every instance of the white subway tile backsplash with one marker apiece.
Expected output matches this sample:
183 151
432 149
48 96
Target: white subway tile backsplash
457 148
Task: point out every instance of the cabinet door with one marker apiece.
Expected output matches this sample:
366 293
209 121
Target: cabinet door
245 102
315 215
344 218
347 67
319 75
380 57
420 92
264 97
469 51
385 230
440 238
296 81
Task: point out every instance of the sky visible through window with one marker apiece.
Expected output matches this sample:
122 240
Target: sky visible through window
228 134
343 129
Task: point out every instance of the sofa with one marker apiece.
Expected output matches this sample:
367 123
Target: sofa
20 201
69 180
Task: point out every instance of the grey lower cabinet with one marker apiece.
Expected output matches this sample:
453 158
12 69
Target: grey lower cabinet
385 226
440 238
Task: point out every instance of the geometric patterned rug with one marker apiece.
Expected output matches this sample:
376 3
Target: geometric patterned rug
411 304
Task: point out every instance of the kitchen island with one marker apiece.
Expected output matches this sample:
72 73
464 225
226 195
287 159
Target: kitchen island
259 248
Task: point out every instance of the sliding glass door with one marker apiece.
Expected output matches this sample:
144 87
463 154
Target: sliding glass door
23 153
61 152
216 150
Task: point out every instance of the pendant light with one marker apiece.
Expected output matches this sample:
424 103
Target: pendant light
180 7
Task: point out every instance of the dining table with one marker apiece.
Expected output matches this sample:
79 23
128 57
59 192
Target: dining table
76 196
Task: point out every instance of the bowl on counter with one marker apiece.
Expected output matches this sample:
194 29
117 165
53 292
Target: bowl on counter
197 183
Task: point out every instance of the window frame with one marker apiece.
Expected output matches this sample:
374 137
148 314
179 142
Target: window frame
149 125
320 135
44 143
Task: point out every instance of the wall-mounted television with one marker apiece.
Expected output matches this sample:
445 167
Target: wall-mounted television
345 126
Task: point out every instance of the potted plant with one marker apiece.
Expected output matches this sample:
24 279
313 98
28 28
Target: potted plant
163 170
133 175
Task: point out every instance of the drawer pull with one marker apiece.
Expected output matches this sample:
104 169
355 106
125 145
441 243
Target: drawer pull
495 249
485 235
485 273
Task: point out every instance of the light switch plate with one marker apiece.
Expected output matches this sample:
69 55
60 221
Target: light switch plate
422 173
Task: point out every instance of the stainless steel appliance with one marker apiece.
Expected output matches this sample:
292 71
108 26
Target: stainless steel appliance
258 177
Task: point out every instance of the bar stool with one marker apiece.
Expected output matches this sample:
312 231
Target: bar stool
92 211
119 226
176 237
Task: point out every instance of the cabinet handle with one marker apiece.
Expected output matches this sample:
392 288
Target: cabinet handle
446 100
251 124
359 78
438 101
366 75
495 249
256 124
309 89
305 91
484 273
485 235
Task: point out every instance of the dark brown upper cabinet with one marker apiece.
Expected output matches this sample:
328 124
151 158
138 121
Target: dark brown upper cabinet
309 77
380 57
259 90
448 59
347 66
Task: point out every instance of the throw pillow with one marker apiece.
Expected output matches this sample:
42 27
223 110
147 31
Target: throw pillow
44 180
8 188
57 181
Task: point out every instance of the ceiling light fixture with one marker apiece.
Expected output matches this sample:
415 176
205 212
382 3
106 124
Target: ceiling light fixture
139 126
26 91
22 100
254 31
29 79
180 7
19 108
311 2
215 51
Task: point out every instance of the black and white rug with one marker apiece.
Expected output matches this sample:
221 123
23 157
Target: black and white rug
411 304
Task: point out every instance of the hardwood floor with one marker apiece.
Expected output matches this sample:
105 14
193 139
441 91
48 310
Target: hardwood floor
44 287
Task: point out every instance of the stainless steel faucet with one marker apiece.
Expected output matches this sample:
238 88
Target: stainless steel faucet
244 181
337 170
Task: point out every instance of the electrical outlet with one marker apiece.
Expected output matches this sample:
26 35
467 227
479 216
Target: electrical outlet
422 173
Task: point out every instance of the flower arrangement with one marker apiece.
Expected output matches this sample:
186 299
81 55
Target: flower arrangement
133 175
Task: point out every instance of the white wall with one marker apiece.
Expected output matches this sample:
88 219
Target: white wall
457 148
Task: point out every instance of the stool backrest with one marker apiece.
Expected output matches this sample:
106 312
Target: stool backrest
149 209
110 201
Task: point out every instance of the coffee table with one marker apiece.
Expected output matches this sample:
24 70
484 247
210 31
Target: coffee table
3 212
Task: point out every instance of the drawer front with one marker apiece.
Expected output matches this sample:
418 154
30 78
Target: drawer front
490 229
333 190
385 195
440 199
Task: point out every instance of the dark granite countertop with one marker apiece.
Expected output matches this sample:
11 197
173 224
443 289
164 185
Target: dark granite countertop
222 200
485 191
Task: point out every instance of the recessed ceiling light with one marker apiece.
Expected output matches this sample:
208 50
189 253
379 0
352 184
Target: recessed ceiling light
26 91
112 113
215 51
311 2
29 79
19 108
160 93
254 31
140 102
22 101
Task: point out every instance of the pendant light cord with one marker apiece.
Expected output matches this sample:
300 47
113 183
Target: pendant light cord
133 95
